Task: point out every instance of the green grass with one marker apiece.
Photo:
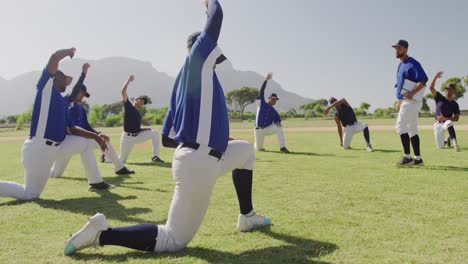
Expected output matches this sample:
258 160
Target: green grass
327 206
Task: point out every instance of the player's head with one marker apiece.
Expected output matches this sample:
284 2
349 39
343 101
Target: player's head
139 102
61 81
272 99
450 91
332 100
83 93
401 48
191 41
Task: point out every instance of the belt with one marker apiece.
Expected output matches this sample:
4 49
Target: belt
49 142
132 134
195 146
351 124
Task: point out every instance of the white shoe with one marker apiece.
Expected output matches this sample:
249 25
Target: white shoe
456 148
251 221
369 148
88 235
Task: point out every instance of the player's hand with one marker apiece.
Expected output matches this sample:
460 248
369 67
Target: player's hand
102 143
441 118
131 78
71 52
397 106
439 75
269 76
105 137
278 124
231 139
327 111
409 95
85 68
206 3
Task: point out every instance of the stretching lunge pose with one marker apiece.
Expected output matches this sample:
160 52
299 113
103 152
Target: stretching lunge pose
47 139
199 120
411 84
268 121
345 116
133 133
447 112
80 119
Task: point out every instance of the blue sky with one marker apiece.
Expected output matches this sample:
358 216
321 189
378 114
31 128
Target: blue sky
318 49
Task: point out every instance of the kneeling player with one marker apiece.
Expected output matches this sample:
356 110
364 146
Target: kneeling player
447 112
345 116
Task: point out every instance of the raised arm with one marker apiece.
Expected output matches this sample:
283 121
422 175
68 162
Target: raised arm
79 83
130 79
215 19
55 59
433 83
335 104
261 94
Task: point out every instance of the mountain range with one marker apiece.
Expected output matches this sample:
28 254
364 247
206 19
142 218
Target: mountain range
106 76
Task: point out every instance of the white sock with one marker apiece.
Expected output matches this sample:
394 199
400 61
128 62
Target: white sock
417 157
454 141
408 156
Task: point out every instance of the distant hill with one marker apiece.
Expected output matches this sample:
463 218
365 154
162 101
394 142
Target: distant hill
106 77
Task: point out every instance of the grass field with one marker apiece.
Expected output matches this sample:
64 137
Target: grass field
327 205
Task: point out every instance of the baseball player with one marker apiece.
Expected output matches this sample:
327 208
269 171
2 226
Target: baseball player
268 121
345 117
133 133
47 139
447 112
80 119
411 84
198 118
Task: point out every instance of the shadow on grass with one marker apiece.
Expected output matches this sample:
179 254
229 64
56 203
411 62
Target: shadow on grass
299 250
153 164
386 150
299 153
440 168
118 181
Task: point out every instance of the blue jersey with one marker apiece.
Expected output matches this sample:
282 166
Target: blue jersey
80 118
197 111
50 115
409 69
266 114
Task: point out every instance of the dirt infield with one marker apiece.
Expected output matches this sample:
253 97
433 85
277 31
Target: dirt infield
287 129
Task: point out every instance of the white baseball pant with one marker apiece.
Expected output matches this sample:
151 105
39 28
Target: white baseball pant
349 131
62 162
195 174
269 130
439 134
407 121
127 142
38 159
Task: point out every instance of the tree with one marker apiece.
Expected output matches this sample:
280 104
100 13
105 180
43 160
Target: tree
95 115
314 108
291 113
239 99
425 107
458 83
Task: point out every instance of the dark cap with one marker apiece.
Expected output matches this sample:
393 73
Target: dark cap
401 43
273 95
84 89
332 100
193 38
451 86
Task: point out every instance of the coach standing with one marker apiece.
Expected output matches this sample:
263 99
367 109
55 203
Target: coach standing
411 83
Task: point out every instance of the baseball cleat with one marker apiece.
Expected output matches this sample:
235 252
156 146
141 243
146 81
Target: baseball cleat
251 221
448 142
419 162
124 171
87 236
369 148
157 159
103 159
405 162
100 186
456 148
284 150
